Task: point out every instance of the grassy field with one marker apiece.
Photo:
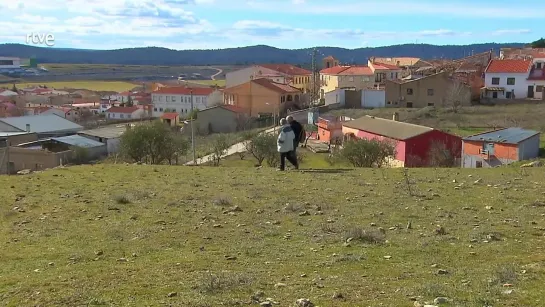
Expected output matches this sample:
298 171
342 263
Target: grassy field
92 85
210 82
188 236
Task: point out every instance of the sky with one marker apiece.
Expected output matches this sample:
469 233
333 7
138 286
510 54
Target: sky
292 24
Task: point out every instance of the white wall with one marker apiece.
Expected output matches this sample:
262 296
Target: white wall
180 104
16 63
520 88
8 93
336 96
122 116
373 98
244 75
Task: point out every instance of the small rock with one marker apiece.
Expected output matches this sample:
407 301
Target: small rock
266 304
338 296
230 258
51 264
304 213
172 294
440 300
304 302
217 226
122 260
387 257
442 272
99 253
279 285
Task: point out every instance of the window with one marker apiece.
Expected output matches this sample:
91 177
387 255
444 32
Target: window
396 75
154 98
539 88
198 99
389 102
430 92
409 104
129 116
494 95
109 115
508 95
538 65
391 75
167 98
121 116
173 98
510 81
366 79
160 109
409 91
495 81
160 98
431 104
68 113
479 164
351 79
155 109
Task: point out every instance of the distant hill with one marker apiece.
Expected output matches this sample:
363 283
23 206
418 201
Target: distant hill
238 56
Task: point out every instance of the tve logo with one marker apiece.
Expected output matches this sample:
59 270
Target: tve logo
41 39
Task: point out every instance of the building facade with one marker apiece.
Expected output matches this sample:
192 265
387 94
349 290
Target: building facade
279 73
178 99
500 147
507 79
125 113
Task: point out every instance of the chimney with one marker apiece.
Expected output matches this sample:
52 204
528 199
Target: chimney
395 117
27 127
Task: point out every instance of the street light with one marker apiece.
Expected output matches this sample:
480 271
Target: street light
191 125
274 115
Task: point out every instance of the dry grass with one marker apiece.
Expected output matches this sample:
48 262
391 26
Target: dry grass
68 242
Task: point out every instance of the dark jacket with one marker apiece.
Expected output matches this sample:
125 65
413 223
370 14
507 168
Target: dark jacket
297 129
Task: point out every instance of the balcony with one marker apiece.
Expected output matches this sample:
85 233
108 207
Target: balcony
537 74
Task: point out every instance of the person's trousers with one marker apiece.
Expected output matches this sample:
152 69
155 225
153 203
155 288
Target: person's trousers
290 155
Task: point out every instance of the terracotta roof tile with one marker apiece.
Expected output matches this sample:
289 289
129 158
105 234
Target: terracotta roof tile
403 61
287 69
183 90
277 87
335 70
357 71
509 66
170 116
383 66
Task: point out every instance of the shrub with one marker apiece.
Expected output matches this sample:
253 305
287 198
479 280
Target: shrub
261 147
367 153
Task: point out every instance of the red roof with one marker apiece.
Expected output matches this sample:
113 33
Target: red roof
277 87
509 66
171 116
335 70
127 110
183 90
357 71
382 66
287 69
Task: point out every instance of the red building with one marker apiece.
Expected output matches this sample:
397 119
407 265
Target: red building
414 144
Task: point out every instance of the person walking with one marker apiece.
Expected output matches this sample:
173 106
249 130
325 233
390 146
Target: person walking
299 132
285 145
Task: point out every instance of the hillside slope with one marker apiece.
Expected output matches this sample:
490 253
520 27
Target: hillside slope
179 236
238 56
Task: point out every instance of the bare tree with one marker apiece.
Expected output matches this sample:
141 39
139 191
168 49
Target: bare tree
458 95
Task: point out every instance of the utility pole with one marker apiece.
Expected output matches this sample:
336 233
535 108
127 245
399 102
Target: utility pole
315 78
192 130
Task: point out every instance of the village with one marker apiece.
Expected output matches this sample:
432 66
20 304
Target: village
42 127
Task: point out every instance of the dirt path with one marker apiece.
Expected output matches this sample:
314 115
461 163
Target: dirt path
236 148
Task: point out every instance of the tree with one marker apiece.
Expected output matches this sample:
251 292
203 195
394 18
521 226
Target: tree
154 143
440 156
261 146
129 102
309 129
14 89
367 153
219 146
193 114
458 95
540 43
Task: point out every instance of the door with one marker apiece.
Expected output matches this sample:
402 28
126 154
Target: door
530 91
538 65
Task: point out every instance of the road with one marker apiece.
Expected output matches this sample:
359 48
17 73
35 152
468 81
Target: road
220 71
236 148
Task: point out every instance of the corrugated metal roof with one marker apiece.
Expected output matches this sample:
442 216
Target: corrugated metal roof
4 134
509 136
42 123
108 132
79 141
388 128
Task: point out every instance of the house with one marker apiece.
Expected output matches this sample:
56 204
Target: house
109 135
262 97
297 77
499 147
356 99
433 90
171 119
51 152
222 119
68 113
44 126
329 62
125 113
346 77
178 99
401 62
330 129
9 109
384 72
412 142
507 79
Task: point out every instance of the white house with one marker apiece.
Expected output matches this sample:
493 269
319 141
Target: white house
507 79
124 113
7 93
9 62
178 99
